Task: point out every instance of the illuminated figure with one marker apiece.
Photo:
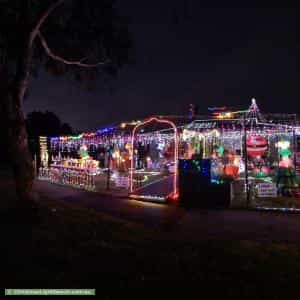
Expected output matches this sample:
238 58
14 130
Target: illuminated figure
256 148
286 176
284 153
83 152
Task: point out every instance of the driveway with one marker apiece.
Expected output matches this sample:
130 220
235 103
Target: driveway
194 224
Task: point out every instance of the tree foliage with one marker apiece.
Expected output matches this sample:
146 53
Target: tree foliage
74 37
46 124
88 31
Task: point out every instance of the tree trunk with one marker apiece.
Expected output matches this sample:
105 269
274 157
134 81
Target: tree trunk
21 158
17 143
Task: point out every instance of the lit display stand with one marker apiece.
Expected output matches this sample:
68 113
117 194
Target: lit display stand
196 187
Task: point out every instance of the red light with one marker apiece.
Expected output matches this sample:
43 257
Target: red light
173 197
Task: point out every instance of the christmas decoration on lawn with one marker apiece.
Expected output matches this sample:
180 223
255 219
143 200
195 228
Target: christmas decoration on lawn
83 152
284 154
266 154
256 148
286 175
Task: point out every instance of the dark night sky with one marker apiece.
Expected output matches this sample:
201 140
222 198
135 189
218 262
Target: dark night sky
188 52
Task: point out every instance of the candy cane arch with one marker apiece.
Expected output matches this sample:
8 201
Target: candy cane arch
152 119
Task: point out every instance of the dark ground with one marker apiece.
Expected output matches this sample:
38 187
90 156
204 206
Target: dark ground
73 246
193 223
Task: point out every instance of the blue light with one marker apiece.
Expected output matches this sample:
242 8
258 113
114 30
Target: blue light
105 130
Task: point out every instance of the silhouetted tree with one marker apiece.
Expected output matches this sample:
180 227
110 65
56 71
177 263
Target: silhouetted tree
66 129
44 124
78 37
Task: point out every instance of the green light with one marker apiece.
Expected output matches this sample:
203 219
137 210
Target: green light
220 150
285 152
76 137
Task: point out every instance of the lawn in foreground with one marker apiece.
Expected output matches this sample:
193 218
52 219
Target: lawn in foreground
75 247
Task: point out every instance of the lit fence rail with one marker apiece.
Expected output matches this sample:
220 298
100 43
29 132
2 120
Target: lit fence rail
76 178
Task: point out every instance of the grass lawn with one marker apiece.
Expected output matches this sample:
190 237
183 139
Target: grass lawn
74 247
278 202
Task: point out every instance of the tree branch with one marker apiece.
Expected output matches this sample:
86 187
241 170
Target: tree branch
42 20
78 63
23 67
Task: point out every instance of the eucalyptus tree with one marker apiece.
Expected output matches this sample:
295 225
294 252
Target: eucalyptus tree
79 38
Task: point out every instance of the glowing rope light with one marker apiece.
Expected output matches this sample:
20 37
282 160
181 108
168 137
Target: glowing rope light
143 180
175 150
282 209
148 197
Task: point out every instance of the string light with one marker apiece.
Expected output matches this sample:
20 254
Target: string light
148 197
44 150
71 177
155 119
224 131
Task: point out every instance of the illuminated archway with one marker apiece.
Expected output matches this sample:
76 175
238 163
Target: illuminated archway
174 194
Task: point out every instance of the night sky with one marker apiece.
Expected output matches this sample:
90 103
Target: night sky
187 52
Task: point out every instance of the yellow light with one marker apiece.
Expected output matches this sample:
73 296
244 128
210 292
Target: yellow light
226 115
236 161
116 154
283 144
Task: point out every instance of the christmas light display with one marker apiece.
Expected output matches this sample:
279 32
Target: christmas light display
71 177
286 175
175 158
44 156
230 139
280 209
83 152
256 148
78 173
150 197
256 145
285 154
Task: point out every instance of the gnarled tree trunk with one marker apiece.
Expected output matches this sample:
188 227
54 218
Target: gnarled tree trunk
13 91
21 159
16 137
